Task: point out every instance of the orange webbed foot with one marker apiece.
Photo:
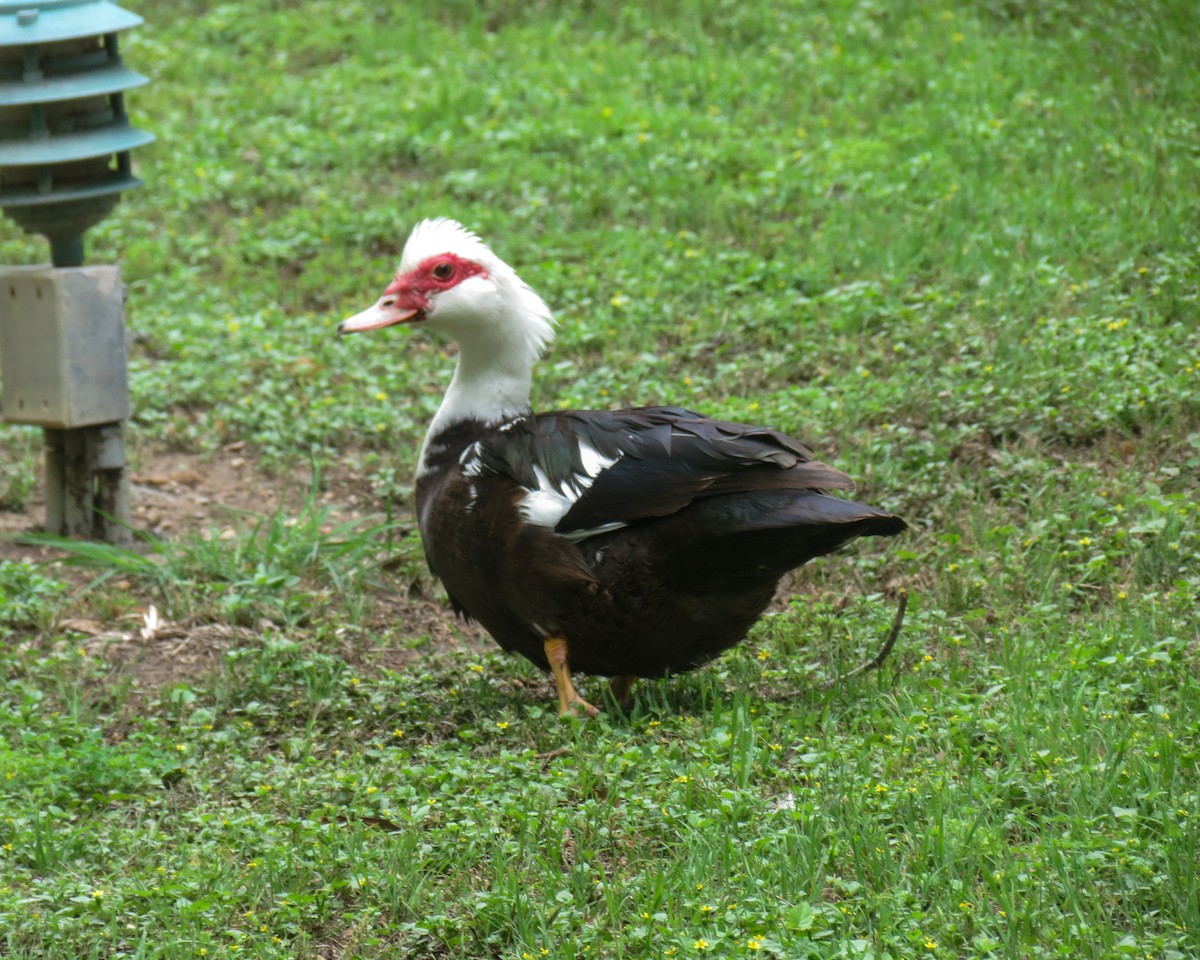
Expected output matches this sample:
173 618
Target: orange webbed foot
569 701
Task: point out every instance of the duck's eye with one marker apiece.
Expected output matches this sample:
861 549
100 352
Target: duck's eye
443 270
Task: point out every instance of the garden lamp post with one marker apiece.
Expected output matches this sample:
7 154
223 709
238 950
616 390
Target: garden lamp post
64 159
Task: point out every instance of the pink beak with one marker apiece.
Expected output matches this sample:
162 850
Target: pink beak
400 303
386 312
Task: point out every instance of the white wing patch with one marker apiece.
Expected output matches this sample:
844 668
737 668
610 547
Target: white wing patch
543 481
544 508
548 503
471 463
594 462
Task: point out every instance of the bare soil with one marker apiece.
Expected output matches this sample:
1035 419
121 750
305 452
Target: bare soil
177 493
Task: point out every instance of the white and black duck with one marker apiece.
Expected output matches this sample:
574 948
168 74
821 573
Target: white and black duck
623 543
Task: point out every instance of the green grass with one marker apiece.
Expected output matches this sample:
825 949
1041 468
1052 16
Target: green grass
954 246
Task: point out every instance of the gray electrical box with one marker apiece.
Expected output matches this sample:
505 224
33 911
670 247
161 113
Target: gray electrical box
62 346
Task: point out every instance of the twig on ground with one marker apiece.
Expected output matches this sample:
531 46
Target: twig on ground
882 654
551 754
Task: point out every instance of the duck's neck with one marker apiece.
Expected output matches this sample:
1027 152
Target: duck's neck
491 385
487 388
494 374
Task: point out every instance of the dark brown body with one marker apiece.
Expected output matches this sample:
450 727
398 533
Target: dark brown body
661 595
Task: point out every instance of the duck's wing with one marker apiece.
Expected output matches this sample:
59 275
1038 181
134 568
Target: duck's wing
590 472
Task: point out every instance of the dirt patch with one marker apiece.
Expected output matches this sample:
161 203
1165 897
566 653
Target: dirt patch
176 494
154 653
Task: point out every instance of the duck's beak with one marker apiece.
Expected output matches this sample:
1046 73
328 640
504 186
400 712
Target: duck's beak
386 312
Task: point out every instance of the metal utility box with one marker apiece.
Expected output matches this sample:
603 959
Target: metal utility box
62 346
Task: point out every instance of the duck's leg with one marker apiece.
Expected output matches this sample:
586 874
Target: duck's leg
568 699
621 687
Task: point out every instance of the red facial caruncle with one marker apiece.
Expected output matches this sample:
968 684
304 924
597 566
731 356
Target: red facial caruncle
433 275
407 298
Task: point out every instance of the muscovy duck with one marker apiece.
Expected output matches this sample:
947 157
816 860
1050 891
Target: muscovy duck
623 543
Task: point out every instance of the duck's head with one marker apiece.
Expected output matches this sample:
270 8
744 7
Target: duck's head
450 281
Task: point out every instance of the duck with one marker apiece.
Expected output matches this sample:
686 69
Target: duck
630 543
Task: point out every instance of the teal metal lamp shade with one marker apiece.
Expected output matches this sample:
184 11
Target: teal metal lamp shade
65 139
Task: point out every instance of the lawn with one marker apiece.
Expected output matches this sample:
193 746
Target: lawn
954 246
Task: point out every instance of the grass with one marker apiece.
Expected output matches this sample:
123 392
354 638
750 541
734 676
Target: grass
953 246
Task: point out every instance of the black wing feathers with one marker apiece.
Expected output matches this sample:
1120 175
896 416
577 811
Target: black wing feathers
657 461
